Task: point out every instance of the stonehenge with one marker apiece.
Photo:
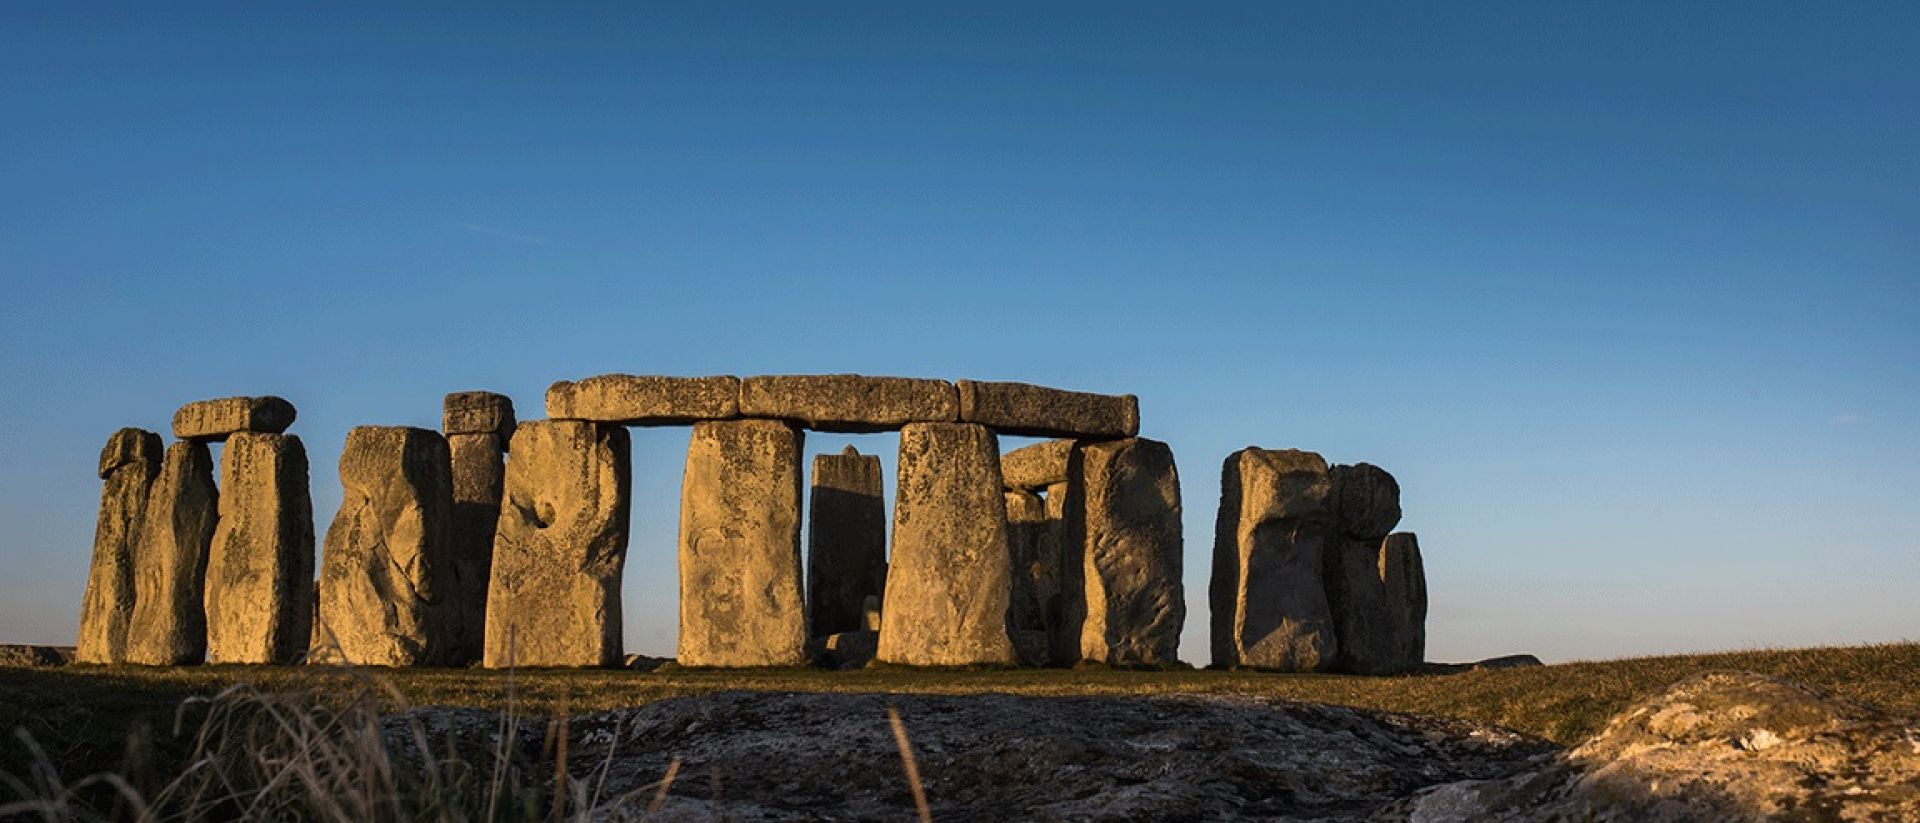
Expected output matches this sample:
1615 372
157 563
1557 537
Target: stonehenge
500 542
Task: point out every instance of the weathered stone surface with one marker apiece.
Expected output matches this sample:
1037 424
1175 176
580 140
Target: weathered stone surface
169 625
479 476
1365 506
1036 572
1365 501
741 602
846 541
386 572
477 412
1037 466
948 587
18 655
129 463
1132 568
554 598
849 402
1405 579
1269 602
645 400
1038 411
1063 595
213 420
260 569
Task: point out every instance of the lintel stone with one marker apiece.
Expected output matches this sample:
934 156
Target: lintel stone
849 403
214 420
1037 466
645 400
1038 411
477 412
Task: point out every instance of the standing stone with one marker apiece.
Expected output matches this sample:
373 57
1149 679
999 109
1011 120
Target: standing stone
554 596
386 574
846 541
1365 506
1064 600
169 626
1131 554
479 426
1405 577
1036 572
215 420
740 594
948 588
128 464
1268 598
260 569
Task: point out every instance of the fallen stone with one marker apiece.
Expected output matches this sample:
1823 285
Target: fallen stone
260 568
644 663
169 623
479 474
847 650
846 541
1036 573
645 400
21 656
554 597
386 576
477 412
1405 579
1134 605
1038 411
948 587
1037 466
741 602
128 464
1268 599
214 420
848 402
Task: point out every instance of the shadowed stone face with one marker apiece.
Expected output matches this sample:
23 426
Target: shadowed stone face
128 464
554 598
1405 579
948 585
1038 411
1134 604
1269 602
213 420
846 541
260 569
740 592
1365 505
477 412
479 474
645 400
1036 574
849 402
169 624
387 573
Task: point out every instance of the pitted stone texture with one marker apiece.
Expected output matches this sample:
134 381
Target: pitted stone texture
260 568
129 463
1038 411
846 541
1036 572
1134 604
849 402
477 412
214 420
169 624
1405 578
740 591
1267 594
479 473
1037 466
554 598
948 587
386 574
645 400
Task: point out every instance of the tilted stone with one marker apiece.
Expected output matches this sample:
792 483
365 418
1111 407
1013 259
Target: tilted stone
1037 466
1038 411
554 598
477 412
1132 567
215 420
129 463
386 570
740 591
1036 572
479 473
169 624
849 402
1364 504
846 541
260 569
1405 576
948 586
1268 598
645 400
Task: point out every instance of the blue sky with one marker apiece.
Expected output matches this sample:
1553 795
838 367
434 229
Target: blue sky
1628 297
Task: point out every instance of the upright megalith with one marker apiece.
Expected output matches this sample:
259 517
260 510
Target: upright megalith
1365 506
554 598
1269 603
846 541
128 464
1039 411
386 576
215 420
1130 554
1404 576
849 402
741 602
948 587
478 427
260 569
1063 589
1035 556
169 623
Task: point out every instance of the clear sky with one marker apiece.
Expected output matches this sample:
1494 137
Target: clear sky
1627 296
